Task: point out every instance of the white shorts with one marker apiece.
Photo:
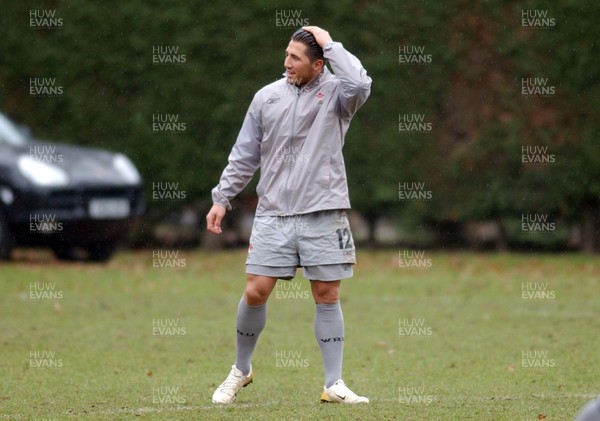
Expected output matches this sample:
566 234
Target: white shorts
321 242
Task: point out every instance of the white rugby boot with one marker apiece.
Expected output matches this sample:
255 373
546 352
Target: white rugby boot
339 393
234 382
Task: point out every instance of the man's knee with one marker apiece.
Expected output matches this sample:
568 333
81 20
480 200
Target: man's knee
326 292
258 289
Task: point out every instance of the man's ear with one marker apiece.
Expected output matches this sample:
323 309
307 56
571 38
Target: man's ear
319 64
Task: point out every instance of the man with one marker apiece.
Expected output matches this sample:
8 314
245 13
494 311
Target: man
294 132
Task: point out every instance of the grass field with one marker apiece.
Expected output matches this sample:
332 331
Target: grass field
455 340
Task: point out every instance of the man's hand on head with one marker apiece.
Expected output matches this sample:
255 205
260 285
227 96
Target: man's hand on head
321 35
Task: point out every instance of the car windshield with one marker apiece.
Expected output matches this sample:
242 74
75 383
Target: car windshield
9 133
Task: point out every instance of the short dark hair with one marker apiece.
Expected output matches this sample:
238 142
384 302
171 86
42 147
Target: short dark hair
313 49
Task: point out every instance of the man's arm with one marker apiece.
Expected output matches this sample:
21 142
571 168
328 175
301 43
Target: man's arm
244 160
356 85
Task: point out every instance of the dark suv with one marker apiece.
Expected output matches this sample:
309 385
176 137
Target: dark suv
79 201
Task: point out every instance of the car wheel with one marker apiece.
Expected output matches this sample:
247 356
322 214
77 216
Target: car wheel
6 238
101 252
67 253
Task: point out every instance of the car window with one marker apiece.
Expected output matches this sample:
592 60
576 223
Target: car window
9 133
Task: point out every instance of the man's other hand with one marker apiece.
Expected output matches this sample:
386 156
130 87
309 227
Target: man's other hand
214 218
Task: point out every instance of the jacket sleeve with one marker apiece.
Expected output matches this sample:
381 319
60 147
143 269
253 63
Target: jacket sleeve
244 159
356 85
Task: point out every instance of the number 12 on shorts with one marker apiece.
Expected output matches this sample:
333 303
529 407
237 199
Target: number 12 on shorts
344 235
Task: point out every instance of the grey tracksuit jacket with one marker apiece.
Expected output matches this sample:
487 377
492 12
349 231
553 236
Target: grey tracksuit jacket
295 136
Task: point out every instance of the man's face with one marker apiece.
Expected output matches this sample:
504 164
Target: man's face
299 68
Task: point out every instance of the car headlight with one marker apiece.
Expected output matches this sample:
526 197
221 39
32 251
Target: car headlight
126 168
41 173
6 195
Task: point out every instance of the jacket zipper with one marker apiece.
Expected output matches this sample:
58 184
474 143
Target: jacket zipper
287 182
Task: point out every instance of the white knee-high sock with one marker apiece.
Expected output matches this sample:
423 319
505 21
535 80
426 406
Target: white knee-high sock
250 322
329 331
